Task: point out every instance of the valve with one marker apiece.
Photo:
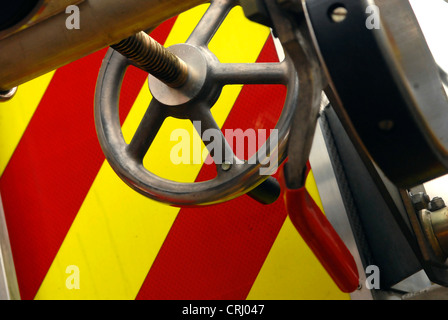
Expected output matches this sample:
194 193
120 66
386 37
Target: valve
185 81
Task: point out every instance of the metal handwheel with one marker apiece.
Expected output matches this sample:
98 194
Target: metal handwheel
192 100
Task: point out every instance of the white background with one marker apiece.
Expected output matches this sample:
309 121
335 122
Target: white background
433 20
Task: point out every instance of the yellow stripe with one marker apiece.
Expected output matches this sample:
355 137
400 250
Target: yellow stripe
117 233
16 114
291 271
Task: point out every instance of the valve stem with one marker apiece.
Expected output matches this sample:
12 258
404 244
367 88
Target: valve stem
152 57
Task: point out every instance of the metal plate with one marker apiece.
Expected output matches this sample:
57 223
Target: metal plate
9 289
390 93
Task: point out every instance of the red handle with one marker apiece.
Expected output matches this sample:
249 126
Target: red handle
322 239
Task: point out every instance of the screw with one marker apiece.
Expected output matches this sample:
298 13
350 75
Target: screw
338 14
8 94
226 166
386 125
154 58
420 201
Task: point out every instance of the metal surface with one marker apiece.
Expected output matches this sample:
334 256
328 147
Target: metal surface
436 271
390 95
376 210
334 207
290 22
49 45
414 283
196 78
256 10
439 221
344 214
293 29
7 95
436 203
43 10
152 57
9 288
434 292
430 223
208 80
415 71
426 221
338 14
420 200
434 224
19 14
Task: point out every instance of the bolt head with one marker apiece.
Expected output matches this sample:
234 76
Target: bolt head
420 201
338 14
226 166
436 203
386 125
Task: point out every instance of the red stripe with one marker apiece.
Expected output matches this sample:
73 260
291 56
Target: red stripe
55 164
217 252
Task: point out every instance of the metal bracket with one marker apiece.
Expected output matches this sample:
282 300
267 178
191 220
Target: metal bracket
290 23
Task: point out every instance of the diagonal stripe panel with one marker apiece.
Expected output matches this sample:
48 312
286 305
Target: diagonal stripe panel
38 177
117 233
16 114
53 168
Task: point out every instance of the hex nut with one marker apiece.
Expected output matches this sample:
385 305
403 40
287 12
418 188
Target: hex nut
420 201
436 203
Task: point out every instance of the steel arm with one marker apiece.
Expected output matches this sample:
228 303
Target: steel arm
49 45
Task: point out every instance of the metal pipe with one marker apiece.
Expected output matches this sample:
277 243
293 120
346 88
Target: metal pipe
50 44
439 220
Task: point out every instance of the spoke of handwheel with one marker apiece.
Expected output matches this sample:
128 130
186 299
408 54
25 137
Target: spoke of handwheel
214 139
250 73
147 130
210 22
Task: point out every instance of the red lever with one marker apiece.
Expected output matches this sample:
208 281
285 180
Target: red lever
320 236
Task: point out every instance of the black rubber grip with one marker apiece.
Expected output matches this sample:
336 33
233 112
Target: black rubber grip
267 192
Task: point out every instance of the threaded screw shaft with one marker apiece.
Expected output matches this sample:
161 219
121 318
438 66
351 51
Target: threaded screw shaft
154 58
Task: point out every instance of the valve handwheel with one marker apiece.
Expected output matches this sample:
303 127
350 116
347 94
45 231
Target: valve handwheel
192 100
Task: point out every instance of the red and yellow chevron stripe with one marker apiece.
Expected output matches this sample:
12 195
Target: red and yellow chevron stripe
64 205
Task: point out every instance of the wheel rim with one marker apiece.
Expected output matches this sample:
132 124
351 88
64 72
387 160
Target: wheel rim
193 101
